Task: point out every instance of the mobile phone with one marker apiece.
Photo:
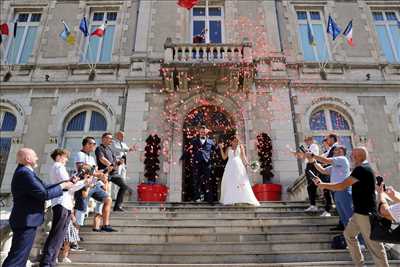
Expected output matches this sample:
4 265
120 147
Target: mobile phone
379 181
312 174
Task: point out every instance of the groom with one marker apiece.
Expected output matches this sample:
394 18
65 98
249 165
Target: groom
200 150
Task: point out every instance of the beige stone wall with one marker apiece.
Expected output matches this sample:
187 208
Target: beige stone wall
134 72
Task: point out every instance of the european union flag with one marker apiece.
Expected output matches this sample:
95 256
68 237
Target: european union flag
333 28
83 26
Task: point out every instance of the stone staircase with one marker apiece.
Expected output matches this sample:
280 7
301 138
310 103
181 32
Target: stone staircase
192 234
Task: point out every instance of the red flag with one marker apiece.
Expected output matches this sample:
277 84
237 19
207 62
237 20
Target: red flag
188 4
4 29
99 31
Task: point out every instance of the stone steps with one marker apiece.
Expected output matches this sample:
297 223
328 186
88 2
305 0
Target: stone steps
227 247
210 237
199 229
221 221
300 264
198 234
210 257
134 214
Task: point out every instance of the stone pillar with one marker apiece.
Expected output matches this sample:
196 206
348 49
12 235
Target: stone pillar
135 124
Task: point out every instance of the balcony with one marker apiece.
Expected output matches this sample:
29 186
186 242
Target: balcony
207 53
211 66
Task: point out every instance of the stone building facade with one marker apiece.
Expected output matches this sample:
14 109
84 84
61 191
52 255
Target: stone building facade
257 73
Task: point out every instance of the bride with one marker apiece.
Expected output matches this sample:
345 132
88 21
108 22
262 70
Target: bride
235 185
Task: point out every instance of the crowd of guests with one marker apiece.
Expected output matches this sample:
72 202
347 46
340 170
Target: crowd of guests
354 193
69 197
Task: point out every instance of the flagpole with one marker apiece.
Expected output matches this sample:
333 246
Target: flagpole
207 25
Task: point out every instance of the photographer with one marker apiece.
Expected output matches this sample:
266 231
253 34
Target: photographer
390 212
61 206
106 160
362 181
311 187
97 191
338 170
120 150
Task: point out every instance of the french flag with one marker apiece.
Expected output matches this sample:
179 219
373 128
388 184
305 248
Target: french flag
99 32
348 33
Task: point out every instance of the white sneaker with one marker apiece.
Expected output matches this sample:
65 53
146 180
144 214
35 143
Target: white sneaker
326 214
66 260
312 208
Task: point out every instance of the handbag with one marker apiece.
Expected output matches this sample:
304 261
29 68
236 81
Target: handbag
338 242
382 231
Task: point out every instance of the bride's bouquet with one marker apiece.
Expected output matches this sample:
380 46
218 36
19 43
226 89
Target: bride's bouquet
254 165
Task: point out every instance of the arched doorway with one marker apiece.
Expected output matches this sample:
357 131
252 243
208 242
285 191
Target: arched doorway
221 126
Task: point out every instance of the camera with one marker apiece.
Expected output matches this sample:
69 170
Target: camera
85 170
379 181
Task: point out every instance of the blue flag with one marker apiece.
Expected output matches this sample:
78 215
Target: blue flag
83 26
333 28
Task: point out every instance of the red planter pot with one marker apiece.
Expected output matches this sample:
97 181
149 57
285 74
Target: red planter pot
268 192
152 192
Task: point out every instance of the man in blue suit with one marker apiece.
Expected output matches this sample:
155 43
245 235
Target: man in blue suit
201 149
29 195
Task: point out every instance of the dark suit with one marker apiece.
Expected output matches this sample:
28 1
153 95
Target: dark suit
202 167
29 194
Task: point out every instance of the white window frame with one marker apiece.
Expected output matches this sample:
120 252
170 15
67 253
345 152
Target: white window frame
26 25
329 127
207 18
311 22
386 23
99 23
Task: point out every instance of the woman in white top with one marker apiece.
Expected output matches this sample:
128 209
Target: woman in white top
61 206
235 185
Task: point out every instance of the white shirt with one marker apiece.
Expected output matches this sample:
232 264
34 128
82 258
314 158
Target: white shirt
58 173
313 148
203 140
394 210
82 157
119 148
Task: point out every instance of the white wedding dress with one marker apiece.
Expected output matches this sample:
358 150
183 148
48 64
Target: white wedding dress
235 185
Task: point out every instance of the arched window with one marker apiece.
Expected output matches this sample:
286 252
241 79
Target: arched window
327 120
80 124
8 122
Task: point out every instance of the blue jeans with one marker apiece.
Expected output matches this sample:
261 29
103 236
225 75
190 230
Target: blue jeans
344 205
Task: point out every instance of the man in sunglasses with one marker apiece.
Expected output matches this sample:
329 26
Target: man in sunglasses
98 191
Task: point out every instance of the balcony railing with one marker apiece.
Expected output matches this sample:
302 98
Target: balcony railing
207 53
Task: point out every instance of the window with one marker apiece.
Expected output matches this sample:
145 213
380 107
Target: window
324 121
207 22
20 47
8 122
99 49
319 51
84 123
387 26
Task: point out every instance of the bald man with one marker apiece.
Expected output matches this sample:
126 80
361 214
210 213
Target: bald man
362 181
29 194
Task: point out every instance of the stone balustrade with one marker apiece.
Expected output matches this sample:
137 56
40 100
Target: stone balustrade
207 53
